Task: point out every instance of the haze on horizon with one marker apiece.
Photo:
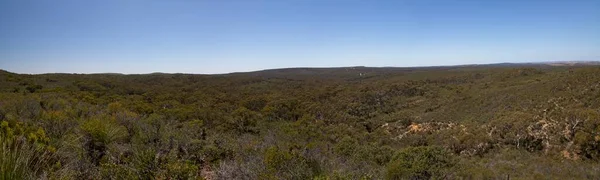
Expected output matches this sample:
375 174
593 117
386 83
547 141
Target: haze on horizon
207 37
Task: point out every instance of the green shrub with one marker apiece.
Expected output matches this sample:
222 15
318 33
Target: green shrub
378 154
21 160
289 165
423 162
286 109
100 133
181 170
346 146
33 88
144 162
213 153
244 121
104 131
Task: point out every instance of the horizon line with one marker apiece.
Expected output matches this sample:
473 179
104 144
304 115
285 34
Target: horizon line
594 62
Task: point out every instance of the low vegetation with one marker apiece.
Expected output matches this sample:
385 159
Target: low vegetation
468 122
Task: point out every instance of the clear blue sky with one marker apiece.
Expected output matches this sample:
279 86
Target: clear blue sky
219 36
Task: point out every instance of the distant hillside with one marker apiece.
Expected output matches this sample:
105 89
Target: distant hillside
574 63
338 71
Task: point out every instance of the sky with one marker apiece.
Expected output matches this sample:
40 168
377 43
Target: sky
221 36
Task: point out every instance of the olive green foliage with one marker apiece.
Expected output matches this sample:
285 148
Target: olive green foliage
100 134
21 160
420 163
464 122
288 165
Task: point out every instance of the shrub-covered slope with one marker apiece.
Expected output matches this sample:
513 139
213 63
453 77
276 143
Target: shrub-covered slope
496 121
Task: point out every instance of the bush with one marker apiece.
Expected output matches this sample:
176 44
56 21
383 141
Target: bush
34 88
424 162
181 170
289 165
21 160
346 147
100 133
287 110
244 121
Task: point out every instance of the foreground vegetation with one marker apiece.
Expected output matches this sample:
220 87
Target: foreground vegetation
473 122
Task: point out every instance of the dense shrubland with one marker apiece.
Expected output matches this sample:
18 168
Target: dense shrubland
339 123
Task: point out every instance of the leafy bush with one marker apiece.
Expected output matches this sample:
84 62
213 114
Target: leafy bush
289 165
346 146
100 133
423 162
34 88
244 121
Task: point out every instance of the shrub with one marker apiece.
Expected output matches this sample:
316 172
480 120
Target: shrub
144 162
420 163
181 170
104 131
21 160
33 88
289 165
99 134
347 146
255 104
287 109
244 121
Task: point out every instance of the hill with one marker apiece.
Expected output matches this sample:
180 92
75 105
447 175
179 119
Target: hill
475 122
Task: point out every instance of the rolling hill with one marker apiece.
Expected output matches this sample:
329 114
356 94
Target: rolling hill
536 120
